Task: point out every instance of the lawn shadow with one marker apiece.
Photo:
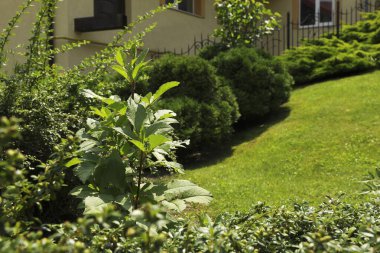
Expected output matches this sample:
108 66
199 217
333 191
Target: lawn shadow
244 132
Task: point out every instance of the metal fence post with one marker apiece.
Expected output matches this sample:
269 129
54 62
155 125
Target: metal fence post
338 19
288 30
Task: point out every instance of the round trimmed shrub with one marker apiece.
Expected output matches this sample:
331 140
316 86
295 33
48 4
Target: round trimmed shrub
205 105
211 51
259 81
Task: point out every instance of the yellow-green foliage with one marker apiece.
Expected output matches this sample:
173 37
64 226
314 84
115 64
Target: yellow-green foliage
357 50
367 30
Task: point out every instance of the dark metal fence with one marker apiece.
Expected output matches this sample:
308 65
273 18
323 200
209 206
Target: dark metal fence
291 34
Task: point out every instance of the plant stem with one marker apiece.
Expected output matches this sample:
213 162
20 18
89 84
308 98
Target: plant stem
133 89
142 159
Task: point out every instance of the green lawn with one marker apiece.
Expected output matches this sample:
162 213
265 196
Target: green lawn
322 142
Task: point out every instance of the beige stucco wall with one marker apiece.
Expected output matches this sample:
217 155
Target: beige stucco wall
21 34
175 29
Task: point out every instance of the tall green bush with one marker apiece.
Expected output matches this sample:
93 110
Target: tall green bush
127 140
260 82
205 104
242 22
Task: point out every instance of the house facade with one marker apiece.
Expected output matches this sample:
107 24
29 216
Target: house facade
310 19
98 21
308 13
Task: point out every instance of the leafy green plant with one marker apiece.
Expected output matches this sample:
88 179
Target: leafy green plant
129 139
242 22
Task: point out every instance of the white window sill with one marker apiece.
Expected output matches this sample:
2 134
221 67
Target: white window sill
320 25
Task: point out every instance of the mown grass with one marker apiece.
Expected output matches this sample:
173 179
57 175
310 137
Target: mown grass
321 143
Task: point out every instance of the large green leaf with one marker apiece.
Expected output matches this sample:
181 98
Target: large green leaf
138 68
126 132
158 128
163 114
183 190
140 117
164 88
177 167
120 58
177 205
139 145
96 205
90 94
87 145
141 57
85 170
131 112
82 191
72 162
91 123
125 201
156 140
119 69
110 172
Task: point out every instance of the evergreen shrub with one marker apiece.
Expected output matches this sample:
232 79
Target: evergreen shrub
357 50
205 104
328 58
211 51
259 81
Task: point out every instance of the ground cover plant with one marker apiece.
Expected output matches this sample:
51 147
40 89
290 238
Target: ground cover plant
323 142
356 50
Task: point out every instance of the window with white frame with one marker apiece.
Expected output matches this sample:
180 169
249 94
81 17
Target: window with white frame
316 12
184 5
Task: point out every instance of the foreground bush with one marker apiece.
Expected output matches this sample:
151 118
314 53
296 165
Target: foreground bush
357 50
205 105
334 226
259 81
127 141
